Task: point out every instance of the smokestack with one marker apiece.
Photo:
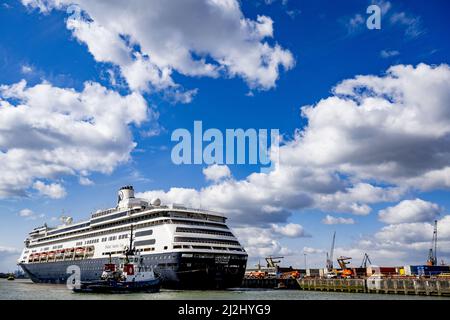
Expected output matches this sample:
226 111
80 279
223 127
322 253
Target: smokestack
125 193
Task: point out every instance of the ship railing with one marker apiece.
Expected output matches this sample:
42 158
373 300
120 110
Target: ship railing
207 211
103 213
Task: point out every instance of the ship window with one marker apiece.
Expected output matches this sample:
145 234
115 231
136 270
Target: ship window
165 247
144 242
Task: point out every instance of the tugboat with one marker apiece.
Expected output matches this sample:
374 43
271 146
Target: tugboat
130 275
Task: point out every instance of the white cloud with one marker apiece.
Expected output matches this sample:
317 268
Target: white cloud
403 243
385 6
67 133
85 181
337 220
391 130
26 213
8 258
309 250
413 24
355 23
26 69
195 38
53 190
217 172
410 211
260 242
406 233
290 230
30 214
389 53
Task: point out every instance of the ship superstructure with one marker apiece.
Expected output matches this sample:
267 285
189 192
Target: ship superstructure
189 248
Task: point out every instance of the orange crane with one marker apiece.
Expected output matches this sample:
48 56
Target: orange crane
343 262
271 263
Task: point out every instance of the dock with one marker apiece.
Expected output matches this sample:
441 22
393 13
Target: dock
429 287
270 283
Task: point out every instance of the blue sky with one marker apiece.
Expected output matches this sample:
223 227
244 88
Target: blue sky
327 41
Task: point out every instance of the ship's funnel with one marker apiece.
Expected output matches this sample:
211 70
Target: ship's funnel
125 193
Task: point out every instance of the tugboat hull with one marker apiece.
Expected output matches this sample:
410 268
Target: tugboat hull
118 287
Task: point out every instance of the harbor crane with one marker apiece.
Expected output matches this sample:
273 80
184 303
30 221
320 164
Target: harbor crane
432 257
343 262
330 255
365 260
271 263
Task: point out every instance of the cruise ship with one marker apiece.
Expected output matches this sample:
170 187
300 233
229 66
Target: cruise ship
189 248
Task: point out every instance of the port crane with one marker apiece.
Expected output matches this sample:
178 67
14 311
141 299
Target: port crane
365 260
432 258
330 255
271 263
343 262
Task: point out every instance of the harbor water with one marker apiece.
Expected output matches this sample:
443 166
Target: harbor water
26 290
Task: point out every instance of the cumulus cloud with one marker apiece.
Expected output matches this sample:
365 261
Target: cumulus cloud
53 190
412 23
150 40
85 181
391 128
373 140
355 23
30 214
389 53
8 258
402 243
67 133
26 213
337 220
309 250
290 230
25 69
262 242
416 210
216 172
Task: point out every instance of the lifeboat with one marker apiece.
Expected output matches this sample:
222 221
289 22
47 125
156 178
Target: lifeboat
51 255
43 256
69 253
79 251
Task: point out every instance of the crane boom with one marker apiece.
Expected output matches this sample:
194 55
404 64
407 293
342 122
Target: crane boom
330 256
365 260
432 253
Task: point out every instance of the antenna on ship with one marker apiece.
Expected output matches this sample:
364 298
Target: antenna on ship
130 250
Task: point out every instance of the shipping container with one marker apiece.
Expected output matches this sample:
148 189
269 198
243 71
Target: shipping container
359 272
313 272
424 270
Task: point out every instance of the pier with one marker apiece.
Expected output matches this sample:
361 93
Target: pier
427 287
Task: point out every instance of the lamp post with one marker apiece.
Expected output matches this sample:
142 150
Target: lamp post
305 261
